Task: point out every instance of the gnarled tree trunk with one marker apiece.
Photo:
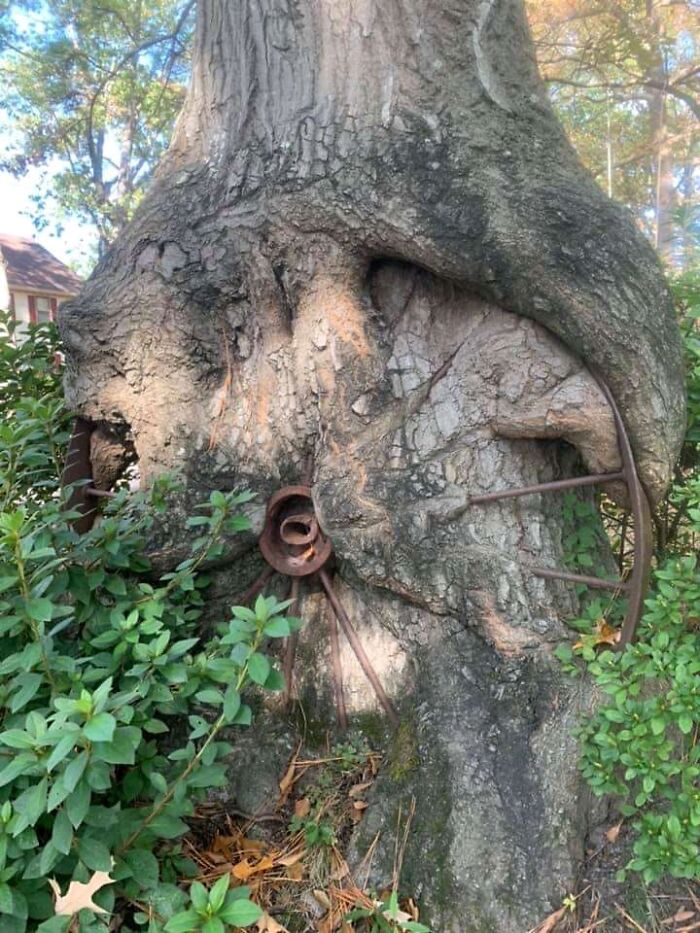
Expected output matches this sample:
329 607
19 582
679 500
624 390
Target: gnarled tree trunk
371 242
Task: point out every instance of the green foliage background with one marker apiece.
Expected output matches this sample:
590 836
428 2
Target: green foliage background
113 704
642 745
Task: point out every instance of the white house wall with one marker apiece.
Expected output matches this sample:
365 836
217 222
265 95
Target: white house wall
4 289
21 300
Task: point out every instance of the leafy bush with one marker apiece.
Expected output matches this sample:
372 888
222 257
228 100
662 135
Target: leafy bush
642 744
112 705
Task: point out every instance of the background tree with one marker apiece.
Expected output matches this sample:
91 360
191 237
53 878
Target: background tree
92 91
624 78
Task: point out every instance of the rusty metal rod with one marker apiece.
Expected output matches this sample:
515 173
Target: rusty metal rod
643 545
256 586
291 647
77 473
575 481
337 671
356 646
99 493
594 582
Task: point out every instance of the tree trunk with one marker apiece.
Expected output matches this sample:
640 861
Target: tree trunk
371 243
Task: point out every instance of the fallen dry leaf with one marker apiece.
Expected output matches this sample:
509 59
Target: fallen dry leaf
614 831
552 920
243 870
358 789
79 895
221 843
253 846
287 782
604 635
291 859
399 915
681 916
295 872
360 805
302 807
340 869
216 858
323 899
267 924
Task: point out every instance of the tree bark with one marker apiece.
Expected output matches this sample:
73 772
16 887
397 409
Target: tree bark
371 242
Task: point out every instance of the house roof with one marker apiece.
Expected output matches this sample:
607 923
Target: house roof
30 267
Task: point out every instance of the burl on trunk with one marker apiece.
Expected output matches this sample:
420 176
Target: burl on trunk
370 242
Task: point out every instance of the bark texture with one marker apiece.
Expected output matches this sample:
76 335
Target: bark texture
371 242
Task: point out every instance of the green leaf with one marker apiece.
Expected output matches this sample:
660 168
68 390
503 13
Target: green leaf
6 899
74 770
115 585
40 610
62 749
62 835
685 723
144 867
17 738
658 726
185 922
258 668
32 803
217 895
20 764
57 794
155 727
54 925
213 925
277 628
674 827
7 582
241 913
121 750
168 827
49 857
232 702
100 728
30 684
275 681
199 897
78 803
243 717
94 854
210 696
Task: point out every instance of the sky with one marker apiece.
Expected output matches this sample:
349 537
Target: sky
72 246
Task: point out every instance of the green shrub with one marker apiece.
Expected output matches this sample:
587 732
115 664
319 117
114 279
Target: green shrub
642 744
112 705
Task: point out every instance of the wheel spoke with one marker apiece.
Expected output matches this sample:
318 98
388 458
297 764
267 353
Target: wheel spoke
356 646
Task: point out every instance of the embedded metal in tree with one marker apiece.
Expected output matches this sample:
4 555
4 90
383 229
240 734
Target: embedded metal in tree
638 583
294 545
77 473
292 542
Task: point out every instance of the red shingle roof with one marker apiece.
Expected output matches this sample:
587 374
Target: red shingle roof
30 267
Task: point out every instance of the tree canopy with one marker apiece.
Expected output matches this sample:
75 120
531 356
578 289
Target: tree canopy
625 79
93 89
